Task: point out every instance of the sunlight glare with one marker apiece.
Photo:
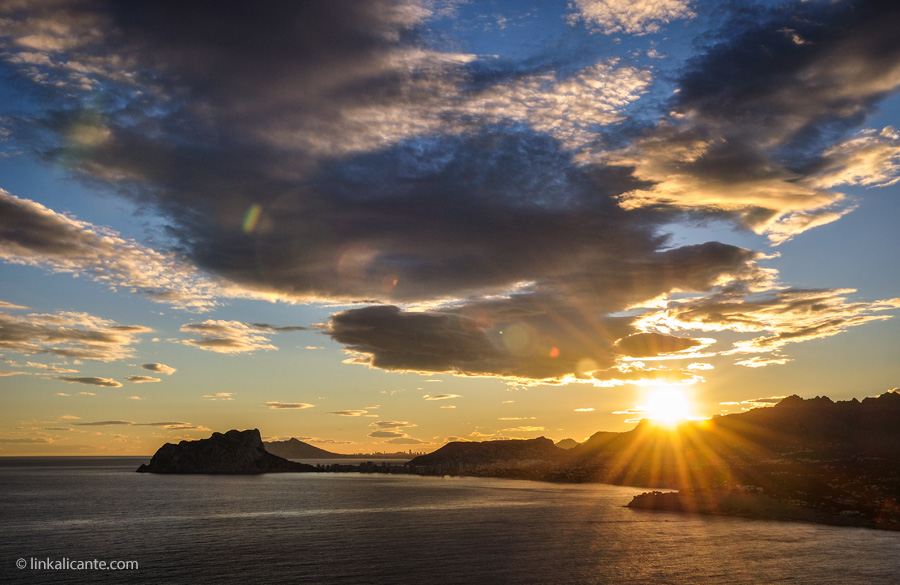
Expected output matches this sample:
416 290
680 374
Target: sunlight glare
667 405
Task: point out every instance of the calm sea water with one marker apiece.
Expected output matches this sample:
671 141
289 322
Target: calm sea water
372 529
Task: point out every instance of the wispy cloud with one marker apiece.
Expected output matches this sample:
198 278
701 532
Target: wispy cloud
161 368
68 335
289 405
230 337
349 412
169 425
220 396
91 380
34 235
635 17
141 379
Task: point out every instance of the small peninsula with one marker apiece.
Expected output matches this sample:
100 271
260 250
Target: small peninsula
235 452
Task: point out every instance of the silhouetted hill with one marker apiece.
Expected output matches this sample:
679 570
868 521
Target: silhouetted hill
567 443
234 452
296 449
835 460
471 455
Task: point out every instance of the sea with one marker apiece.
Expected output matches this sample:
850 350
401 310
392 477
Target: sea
62 518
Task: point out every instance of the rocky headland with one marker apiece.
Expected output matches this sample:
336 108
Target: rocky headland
234 452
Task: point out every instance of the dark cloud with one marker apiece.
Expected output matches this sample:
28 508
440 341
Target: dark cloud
565 332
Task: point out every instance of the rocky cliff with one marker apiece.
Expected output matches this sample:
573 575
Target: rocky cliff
234 452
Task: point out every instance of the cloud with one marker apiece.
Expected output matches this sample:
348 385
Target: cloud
524 429
584 410
219 396
289 405
392 424
755 403
161 368
169 425
654 344
33 235
230 337
349 412
386 434
26 440
636 17
51 368
533 335
515 209
94 381
141 379
448 406
782 317
266 326
756 130
441 396
761 362
68 335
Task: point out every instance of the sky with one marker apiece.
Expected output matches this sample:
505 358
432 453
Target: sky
381 225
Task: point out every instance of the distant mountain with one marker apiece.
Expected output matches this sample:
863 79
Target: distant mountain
234 452
472 454
567 443
296 449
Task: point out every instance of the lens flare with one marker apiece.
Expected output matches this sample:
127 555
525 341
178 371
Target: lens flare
251 219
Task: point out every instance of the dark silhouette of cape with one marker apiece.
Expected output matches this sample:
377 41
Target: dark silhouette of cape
234 452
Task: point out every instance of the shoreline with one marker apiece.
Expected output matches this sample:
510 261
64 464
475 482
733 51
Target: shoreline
755 506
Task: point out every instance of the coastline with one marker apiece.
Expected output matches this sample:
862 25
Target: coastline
743 504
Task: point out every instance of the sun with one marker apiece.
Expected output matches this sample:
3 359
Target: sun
667 405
